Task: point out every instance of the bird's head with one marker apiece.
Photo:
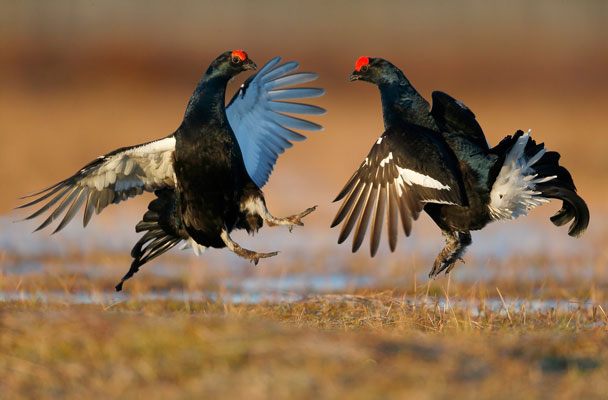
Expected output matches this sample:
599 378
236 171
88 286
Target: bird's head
231 63
375 70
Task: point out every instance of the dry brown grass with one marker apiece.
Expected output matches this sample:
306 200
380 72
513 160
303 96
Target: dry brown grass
371 346
420 340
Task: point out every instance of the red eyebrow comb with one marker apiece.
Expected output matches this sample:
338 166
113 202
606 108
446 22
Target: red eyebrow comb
361 62
240 54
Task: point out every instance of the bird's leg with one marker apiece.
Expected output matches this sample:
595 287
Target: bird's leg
455 246
250 255
258 205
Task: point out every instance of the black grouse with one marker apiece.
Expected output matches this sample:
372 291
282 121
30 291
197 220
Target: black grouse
207 176
438 160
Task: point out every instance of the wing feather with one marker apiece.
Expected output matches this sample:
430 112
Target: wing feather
287 134
260 121
296 123
457 118
48 192
49 204
394 174
354 212
295 93
406 215
348 203
365 218
392 217
88 209
109 179
295 108
59 209
378 220
74 207
283 69
279 143
293 79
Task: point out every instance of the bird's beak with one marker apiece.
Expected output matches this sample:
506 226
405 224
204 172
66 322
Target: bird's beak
248 64
355 76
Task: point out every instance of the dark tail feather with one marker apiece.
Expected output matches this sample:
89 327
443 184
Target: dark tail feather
562 188
163 231
573 208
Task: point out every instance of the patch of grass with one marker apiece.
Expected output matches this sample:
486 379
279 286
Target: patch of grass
466 336
364 346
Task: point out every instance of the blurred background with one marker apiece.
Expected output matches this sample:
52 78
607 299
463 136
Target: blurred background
81 78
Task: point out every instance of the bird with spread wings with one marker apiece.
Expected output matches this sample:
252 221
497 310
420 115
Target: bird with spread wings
208 174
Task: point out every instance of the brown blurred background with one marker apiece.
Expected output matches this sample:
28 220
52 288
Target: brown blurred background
79 79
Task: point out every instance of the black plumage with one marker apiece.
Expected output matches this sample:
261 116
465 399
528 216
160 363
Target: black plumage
207 176
438 160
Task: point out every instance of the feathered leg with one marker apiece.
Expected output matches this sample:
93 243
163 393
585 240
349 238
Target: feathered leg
455 246
250 255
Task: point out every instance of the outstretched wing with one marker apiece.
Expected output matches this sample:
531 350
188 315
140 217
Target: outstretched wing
258 117
403 172
457 118
109 179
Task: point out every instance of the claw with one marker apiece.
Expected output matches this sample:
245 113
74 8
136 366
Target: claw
449 268
297 219
442 265
290 221
250 255
255 257
456 243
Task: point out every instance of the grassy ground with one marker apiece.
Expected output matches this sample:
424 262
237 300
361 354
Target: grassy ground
371 345
448 338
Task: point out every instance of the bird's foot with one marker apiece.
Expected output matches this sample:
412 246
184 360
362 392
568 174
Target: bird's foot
253 256
456 243
440 266
451 266
297 219
292 220
250 255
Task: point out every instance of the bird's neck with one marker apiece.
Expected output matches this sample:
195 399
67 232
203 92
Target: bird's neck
402 103
207 104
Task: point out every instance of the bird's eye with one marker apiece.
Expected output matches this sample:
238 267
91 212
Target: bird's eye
236 60
364 68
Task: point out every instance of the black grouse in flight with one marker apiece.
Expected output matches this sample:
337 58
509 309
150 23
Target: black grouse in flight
207 176
438 160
